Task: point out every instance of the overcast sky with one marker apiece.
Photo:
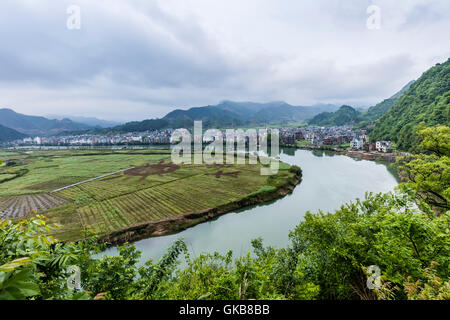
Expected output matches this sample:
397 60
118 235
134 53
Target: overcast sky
138 59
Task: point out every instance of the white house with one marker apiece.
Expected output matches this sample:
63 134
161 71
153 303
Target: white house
383 146
356 144
136 138
364 137
316 141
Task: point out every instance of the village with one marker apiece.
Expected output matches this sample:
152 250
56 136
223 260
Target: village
354 143
343 138
155 137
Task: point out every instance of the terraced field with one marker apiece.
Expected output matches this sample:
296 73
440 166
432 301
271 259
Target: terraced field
20 206
159 200
153 190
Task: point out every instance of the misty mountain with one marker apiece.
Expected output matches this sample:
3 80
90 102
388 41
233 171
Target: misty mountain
90 121
276 112
284 113
212 116
230 114
225 114
34 125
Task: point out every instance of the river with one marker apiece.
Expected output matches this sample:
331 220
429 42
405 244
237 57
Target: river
329 180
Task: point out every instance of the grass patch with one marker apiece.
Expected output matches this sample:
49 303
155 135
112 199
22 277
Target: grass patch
302 143
264 189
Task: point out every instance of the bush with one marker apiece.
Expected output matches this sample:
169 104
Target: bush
296 170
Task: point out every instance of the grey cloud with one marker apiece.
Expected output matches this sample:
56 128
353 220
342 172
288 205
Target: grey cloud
155 51
423 14
140 59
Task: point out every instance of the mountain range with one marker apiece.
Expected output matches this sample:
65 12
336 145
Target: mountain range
231 114
225 114
89 121
35 125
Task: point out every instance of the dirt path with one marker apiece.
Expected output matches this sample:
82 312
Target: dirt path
89 180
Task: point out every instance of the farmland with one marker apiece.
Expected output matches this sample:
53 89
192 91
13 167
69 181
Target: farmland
20 206
147 190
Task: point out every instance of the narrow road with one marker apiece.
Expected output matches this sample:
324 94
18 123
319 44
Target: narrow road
89 180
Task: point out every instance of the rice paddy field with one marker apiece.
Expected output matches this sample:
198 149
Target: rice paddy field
100 191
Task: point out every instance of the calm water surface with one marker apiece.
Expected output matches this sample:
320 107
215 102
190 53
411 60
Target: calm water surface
329 181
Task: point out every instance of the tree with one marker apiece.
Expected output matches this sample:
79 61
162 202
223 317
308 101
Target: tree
384 230
435 139
33 264
429 174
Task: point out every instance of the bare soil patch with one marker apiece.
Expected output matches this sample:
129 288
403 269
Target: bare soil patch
220 173
152 169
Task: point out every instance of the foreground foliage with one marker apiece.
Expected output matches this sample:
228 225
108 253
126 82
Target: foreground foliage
429 173
327 259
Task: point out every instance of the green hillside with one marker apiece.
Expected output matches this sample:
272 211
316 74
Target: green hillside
7 134
427 101
381 108
346 115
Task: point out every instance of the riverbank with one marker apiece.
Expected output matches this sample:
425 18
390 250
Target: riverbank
184 221
364 155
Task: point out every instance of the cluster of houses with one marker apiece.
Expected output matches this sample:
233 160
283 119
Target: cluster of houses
362 144
147 137
333 136
317 136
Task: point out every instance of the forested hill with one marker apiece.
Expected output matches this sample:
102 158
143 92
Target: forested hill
381 108
346 115
427 101
7 134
